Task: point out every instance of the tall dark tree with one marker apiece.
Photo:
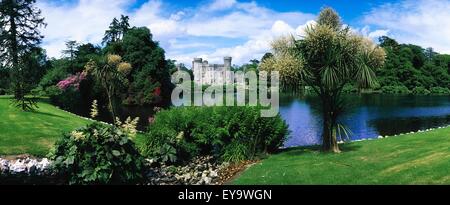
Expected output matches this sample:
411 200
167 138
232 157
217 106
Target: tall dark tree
20 22
70 52
429 53
117 29
112 34
124 25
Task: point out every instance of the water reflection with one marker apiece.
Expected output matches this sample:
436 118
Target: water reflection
368 116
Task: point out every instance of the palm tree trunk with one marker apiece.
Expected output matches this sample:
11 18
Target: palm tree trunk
111 107
329 135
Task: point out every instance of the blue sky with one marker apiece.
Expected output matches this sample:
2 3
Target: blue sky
242 29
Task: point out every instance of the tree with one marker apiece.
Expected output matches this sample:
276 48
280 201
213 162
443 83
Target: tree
117 29
151 71
412 66
37 64
124 25
111 74
387 42
266 56
70 52
20 22
251 66
112 34
328 58
429 53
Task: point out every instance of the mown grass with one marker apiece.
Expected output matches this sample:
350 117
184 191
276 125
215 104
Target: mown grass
420 158
34 133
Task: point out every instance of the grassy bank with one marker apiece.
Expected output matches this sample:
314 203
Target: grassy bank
420 158
33 132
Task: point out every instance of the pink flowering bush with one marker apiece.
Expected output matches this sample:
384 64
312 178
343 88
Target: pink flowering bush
72 81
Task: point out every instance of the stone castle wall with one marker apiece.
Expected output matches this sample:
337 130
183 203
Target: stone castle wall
211 74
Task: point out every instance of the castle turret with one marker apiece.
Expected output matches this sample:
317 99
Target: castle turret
227 68
227 62
197 69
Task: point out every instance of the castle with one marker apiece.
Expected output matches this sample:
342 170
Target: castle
206 74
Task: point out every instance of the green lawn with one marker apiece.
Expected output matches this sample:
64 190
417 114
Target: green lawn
33 132
421 158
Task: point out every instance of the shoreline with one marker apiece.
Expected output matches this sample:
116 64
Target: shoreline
370 139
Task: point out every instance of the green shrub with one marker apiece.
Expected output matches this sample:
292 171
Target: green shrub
69 99
440 91
235 152
348 88
52 77
2 91
395 89
228 133
98 154
420 91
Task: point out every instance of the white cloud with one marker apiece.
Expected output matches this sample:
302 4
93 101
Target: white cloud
84 22
257 46
174 44
378 33
218 5
243 30
300 31
259 25
422 22
372 34
282 28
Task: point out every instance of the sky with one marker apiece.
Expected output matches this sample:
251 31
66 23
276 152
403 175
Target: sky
242 29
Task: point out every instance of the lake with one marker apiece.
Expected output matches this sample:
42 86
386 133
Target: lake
368 116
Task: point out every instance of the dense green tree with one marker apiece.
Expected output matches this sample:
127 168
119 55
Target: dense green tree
150 78
413 67
388 43
328 58
20 21
83 54
37 64
252 65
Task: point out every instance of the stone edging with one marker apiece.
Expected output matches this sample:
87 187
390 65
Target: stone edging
384 137
26 165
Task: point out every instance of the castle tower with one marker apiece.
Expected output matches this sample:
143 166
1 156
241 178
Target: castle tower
197 69
228 78
227 63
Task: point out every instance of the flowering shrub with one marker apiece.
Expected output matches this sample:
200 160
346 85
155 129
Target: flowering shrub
98 154
157 91
72 81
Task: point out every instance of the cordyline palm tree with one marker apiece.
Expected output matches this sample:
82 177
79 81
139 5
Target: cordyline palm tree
112 74
327 58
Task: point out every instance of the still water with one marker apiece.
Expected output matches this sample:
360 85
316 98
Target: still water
368 116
